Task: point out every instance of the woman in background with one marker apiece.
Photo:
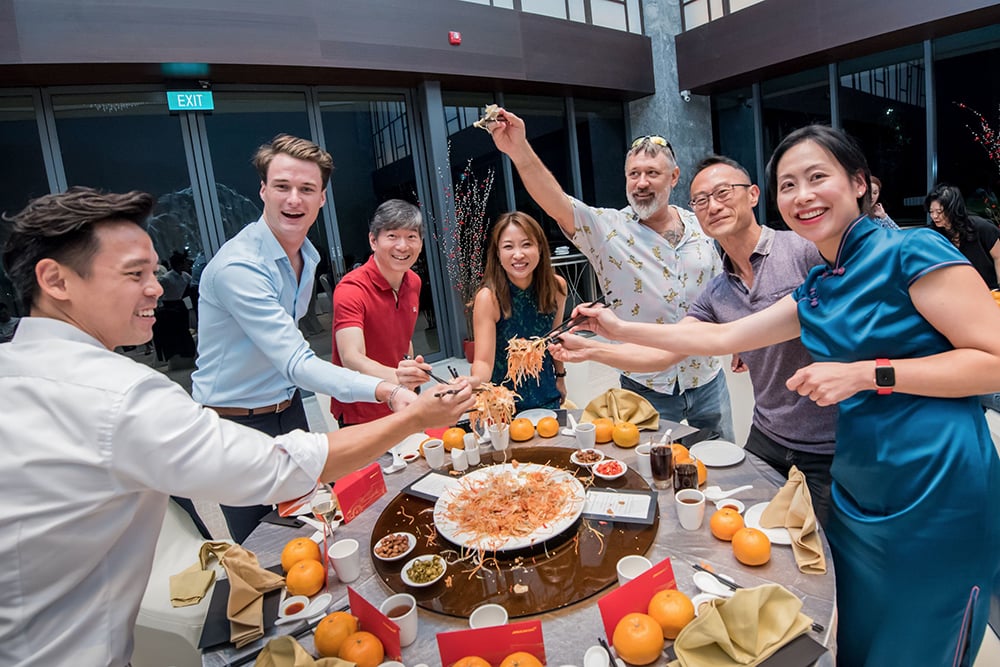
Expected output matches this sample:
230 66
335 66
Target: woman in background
903 332
879 216
521 297
975 238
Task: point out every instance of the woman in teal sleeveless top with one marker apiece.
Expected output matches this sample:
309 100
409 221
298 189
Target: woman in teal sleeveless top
904 334
521 297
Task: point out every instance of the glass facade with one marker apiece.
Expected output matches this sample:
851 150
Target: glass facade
198 166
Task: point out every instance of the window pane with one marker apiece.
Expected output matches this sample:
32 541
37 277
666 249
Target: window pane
608 13
22 171
883 106
733 122
600 135
369 137
545 123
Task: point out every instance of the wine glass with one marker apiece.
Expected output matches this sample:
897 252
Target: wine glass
324 506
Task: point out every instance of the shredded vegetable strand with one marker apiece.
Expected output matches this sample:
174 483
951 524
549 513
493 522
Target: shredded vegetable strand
525 359
494 405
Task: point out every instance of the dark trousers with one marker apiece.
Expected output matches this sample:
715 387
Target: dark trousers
816 467
243 520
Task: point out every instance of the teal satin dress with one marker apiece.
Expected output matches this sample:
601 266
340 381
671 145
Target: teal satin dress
915 521
526 321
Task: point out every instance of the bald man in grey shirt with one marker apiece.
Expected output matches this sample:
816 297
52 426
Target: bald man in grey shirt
761 266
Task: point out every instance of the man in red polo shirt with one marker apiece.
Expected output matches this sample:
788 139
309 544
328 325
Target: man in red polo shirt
375 309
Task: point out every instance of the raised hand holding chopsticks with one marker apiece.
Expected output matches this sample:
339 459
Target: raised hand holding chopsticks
573 321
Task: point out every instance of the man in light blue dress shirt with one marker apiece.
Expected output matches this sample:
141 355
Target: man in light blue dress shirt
252 358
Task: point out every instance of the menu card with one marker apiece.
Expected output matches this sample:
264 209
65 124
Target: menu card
431 486
370 619
492 644
357 491
635 595
627 506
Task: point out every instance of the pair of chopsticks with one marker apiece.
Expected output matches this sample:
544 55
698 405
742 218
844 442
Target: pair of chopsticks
734 586
454 376
566 325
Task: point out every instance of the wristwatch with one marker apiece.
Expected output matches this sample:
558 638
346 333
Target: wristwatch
885 376
560 374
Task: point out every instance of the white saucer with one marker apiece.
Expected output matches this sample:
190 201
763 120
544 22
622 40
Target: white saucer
752 520
534 414
718 453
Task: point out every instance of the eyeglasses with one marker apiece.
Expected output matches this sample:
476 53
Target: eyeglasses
652 139
720 194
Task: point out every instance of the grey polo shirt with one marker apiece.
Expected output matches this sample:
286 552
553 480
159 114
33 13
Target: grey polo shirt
780 263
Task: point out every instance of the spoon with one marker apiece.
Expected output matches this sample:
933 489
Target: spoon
314 608
709 584
397 462
570 421
666 435
714 493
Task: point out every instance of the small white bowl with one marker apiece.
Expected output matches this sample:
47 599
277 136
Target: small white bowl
575 457
610 463
299 601
700 599
423 584
411 541
731 502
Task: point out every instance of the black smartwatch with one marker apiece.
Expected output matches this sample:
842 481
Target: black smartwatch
885 376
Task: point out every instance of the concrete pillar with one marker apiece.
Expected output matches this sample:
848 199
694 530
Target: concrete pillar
686 125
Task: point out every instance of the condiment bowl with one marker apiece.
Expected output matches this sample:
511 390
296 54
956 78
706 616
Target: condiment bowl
575 457
422 584
411 541
612 469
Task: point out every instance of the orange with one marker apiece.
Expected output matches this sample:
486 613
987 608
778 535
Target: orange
672 610
604 430
548 427
638 639
454 438
725 522
751 546
471 661
305 578
421 448
362 648
521 659
301 548
625 434
332 631
679 452
702 473
521 429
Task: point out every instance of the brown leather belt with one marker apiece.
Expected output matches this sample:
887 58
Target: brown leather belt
250 412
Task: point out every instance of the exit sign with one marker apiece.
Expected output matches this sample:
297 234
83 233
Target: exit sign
190 100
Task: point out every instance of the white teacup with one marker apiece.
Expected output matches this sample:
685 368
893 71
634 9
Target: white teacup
642 463
434 453
346 559
402 610
630 567
488 615
499 436
690 504
586 435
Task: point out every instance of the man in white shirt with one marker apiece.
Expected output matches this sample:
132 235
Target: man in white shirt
95 443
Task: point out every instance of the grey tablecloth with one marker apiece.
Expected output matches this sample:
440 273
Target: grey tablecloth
569 632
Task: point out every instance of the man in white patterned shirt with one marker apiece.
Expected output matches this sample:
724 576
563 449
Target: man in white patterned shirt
651 260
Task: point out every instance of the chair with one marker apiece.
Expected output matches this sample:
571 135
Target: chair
164 635
324 304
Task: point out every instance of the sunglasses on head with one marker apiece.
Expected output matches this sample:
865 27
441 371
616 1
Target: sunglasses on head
652 139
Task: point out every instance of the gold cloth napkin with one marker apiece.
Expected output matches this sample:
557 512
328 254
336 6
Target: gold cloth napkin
792 509
745 629
248 582
284 651
622 405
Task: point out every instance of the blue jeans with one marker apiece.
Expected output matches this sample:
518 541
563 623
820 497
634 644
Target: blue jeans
706 407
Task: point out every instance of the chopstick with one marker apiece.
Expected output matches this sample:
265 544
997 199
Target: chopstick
566 325
731 585
611 656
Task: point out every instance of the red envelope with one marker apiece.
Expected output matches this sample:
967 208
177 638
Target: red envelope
492 644
436 432
370 619
635 595
358 490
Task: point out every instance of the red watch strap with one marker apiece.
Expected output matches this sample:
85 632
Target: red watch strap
883 391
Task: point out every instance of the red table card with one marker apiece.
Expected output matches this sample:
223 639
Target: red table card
492 644
635 595
370 619
358 490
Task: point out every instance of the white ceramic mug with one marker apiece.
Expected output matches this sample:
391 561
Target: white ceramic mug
586 435
630 567
406 620
642 464
499 436
459 461
346 559
690 505
487 616
472 449
434 453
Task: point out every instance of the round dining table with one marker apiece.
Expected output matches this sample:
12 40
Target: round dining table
569 630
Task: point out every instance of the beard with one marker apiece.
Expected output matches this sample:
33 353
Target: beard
646 209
